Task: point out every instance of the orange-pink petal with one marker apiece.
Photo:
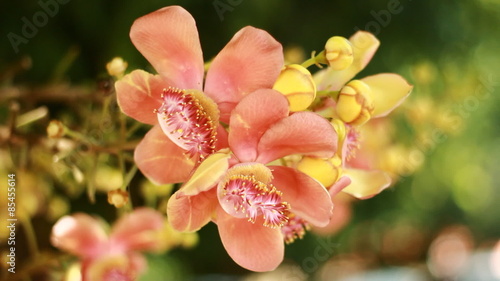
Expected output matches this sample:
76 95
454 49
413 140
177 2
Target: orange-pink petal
366 183
251 60
138 230
302 132
251 245
307 197
79 234
138 95
251 118
388 91
222 138
190 213
342 213
160 160
169 40
338 186
364 46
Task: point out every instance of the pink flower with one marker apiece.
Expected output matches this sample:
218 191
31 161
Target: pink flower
109 257
256 206
175 101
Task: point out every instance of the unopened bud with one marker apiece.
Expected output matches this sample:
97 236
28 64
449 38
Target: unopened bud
118 198
338 53
297 84
116 67
354 104
55 129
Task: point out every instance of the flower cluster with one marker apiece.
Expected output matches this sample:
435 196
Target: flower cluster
261 148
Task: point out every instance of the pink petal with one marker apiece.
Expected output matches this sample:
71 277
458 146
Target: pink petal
138 230
307 197
190 213
138 95
168 39
364 46
342 213
251 118
300 133
388 91
160 160
222 138
251 60
337 187
79 234
251 245
366 183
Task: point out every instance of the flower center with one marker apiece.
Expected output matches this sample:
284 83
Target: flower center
117 275
189 119
294 228
250 198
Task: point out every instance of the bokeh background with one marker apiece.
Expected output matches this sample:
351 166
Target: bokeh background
440 220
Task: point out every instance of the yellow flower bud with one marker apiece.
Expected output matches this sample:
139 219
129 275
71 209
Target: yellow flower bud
117 198
55 129
326 171
116 67
338 53
296 83
354 104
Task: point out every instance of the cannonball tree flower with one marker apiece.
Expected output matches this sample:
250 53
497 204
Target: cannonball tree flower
185 111
109 257
257 206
